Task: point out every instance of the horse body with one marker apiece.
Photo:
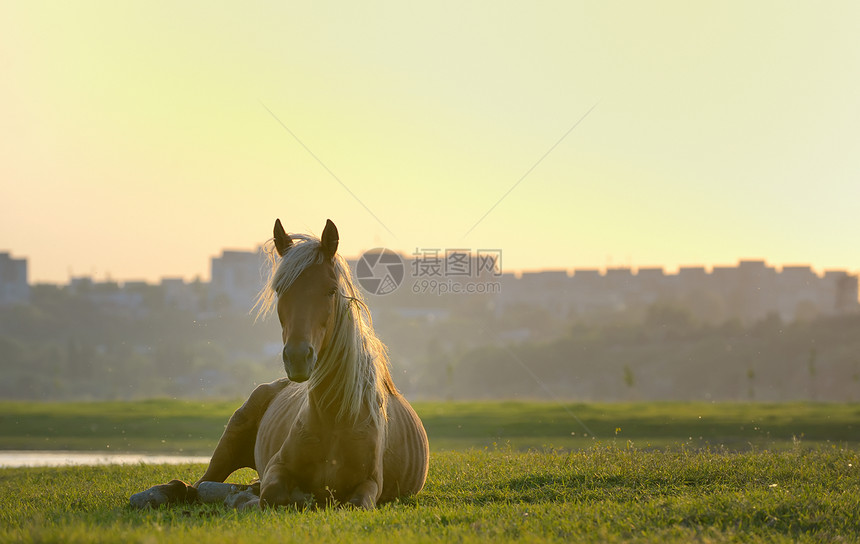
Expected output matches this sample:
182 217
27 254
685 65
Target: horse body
336 429
303 454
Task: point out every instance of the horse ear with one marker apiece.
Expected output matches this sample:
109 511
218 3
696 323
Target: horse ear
282 240
329 239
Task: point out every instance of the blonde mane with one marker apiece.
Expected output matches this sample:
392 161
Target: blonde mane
353 362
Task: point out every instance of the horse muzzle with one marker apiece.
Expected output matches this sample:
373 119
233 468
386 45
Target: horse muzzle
299 360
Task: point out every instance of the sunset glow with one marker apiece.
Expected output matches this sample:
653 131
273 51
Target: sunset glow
139 139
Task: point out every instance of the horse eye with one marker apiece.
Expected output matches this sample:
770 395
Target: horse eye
333 292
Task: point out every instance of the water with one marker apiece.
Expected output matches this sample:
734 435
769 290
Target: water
76 458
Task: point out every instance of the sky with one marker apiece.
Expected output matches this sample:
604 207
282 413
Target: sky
140 139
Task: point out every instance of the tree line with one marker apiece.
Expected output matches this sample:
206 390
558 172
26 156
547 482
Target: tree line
63 346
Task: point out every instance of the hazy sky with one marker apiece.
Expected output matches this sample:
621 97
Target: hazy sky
136 143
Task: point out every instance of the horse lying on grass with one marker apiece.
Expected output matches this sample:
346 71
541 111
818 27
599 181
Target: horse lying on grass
335 431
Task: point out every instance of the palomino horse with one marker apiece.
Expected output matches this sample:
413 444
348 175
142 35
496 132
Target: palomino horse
336 430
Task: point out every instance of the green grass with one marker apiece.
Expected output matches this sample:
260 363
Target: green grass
193 427
172 426
737 426
645 472
601 494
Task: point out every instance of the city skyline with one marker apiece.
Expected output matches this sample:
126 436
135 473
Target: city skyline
751 291
407 257
203 270
140 139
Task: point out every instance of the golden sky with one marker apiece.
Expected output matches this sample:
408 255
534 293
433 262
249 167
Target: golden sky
136 139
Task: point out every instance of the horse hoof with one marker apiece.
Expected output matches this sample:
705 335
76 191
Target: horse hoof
172 492
212 492
243 500
362 503
253 504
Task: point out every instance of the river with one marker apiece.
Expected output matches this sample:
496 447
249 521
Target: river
11 458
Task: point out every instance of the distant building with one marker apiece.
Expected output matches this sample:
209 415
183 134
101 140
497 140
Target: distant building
237 277
124 298
14 288
750 291
586 294
182 295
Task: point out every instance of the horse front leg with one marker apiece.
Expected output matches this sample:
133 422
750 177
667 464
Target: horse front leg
175 491
235 449
279 488
365 495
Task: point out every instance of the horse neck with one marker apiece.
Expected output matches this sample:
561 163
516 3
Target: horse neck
344 382
319 396
328 396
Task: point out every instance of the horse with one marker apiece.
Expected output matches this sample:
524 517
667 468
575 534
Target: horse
335 431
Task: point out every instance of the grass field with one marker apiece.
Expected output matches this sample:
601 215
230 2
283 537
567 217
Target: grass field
602 494
664 472
188 427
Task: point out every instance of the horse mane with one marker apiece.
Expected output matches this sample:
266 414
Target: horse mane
353 362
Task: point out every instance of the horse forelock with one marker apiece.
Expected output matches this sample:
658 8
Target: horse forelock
353 363
283 271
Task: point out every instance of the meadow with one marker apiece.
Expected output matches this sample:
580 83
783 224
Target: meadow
499 471
193 427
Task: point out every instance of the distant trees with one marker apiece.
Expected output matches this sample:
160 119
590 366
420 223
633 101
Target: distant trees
63 346
669 356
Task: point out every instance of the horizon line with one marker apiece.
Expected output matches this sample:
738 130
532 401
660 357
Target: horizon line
570 272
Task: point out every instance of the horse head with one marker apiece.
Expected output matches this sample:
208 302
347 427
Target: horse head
306 307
